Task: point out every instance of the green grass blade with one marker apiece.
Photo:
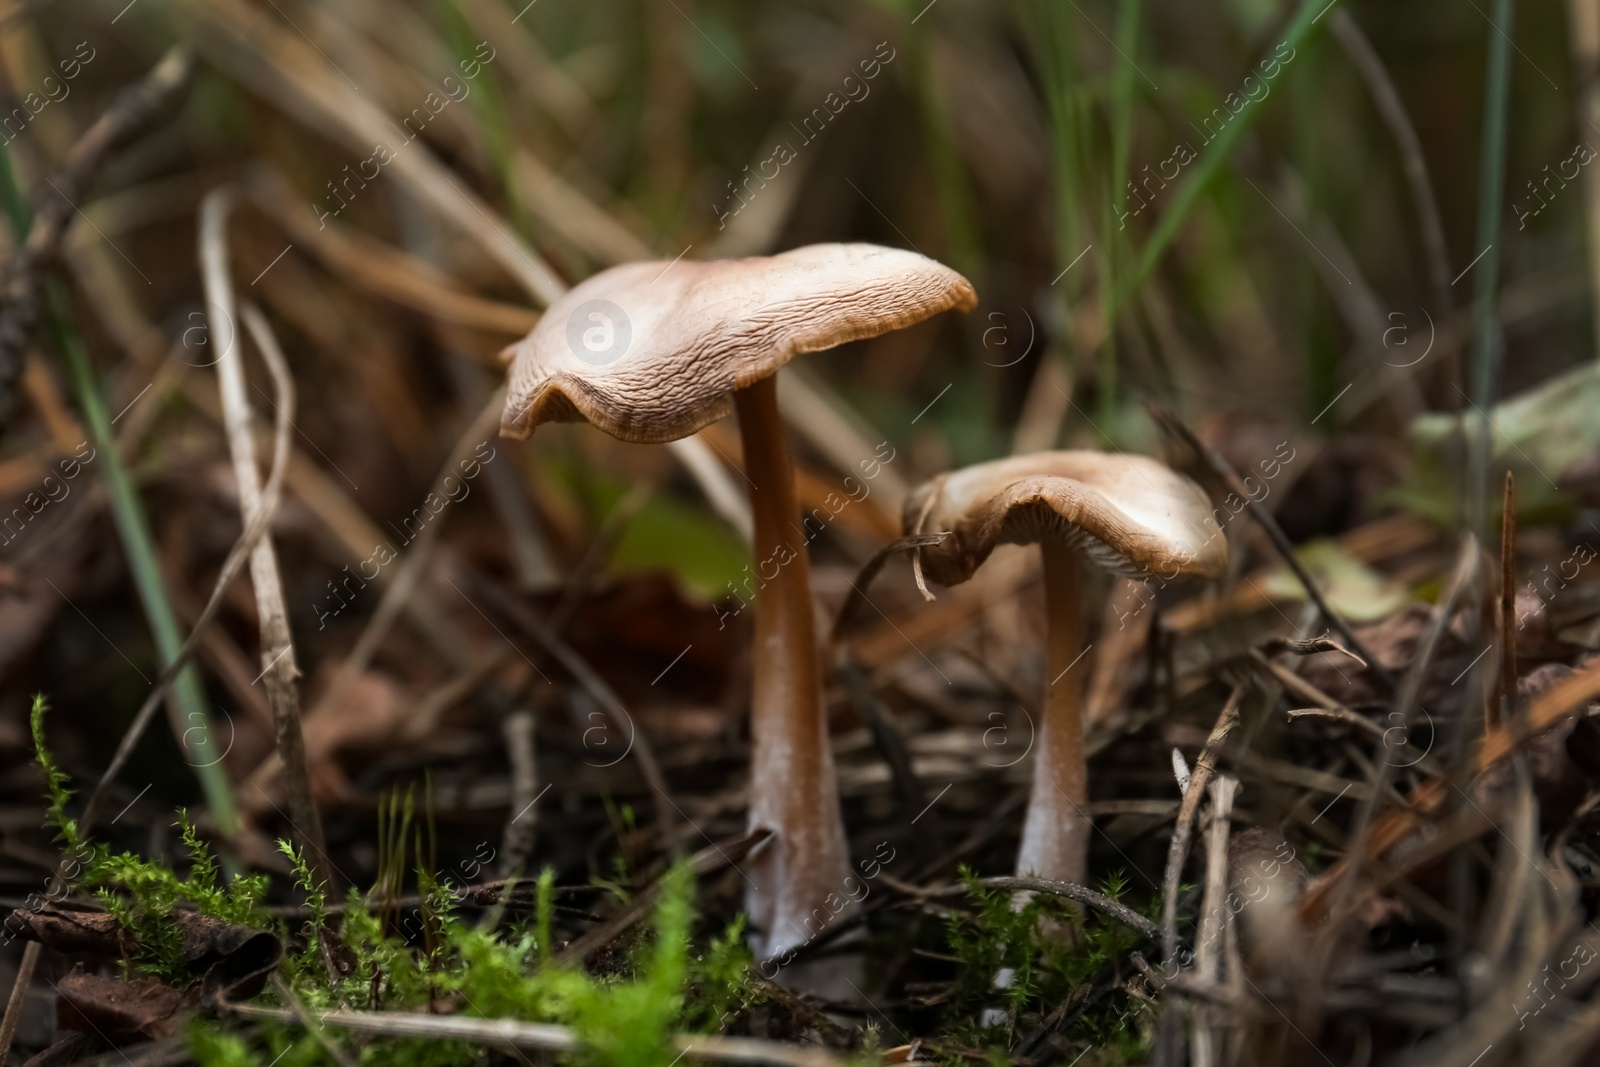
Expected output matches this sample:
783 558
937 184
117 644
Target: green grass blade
133 528
944 160
1050 33
1491 186
1111 246
1212 156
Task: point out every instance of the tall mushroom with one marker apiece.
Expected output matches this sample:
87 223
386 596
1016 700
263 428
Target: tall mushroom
1128 514
652 352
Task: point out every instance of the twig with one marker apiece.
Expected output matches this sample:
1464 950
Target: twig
278 667
516 843
1222 996
864 578
1291 681
1213 917
1340 715
1082 894
1178 849
1505 703
513 1034
1280 541
1276 645
135 108
19 996
303 1016
1359 49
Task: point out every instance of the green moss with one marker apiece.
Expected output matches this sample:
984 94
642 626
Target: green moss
1048 950
429 956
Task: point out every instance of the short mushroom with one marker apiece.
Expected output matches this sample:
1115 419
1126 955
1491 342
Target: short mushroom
1131 515
652 352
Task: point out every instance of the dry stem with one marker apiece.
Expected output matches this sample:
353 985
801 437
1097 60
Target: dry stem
278 668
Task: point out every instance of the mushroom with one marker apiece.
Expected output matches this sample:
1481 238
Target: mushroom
652 352
1131 515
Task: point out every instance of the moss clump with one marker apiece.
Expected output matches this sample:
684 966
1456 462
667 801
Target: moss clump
625 1019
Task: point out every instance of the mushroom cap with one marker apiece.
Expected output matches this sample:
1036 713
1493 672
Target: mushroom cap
1132 515
651 352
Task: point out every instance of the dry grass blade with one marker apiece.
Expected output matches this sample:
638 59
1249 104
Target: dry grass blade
828 425
1178 849
1548 709
516 841
1562 700
574 216
1214 916
278 667
288 71
515 1035
1293 682
725 498
384 269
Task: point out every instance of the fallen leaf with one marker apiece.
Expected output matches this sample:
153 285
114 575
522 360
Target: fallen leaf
118 1010
231 961
1351 588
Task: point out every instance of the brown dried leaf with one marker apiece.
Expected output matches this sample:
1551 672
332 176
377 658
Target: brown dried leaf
118 1010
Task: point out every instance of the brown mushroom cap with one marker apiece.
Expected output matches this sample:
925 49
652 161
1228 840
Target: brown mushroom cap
651 352
1132 515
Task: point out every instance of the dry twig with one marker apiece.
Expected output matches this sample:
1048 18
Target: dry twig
1178 849
1280 541
19 996
278 667
1082 894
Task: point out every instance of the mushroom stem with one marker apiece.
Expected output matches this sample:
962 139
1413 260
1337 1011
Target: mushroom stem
1055 835
797 880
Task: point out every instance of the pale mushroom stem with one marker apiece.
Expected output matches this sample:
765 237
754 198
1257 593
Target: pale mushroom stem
1055 834
797 880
